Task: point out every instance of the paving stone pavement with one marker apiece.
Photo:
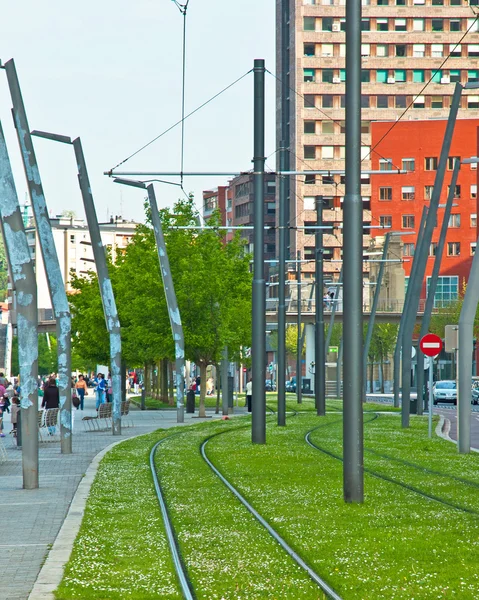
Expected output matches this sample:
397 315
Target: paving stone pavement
31 519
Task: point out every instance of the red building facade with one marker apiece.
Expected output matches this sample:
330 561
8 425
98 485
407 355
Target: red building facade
397 200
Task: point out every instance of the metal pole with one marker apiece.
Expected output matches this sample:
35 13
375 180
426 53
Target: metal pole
372 316
353 468
333 312
429 418
50 259
339 364
416 284
106 291
426 318
172 303
464 363
24 283
299 346
258 349
397 350
224 380
281 373
319 348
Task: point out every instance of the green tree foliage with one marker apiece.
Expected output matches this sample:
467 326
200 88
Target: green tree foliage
3 272
381 347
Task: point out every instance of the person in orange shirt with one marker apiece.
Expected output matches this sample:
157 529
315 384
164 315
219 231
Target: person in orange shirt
82 390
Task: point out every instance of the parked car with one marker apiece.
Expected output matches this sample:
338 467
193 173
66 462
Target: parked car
291 385
269 386
444 391
475 392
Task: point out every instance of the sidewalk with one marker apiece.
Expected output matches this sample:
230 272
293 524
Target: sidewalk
31 519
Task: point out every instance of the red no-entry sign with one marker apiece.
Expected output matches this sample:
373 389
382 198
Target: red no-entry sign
431 344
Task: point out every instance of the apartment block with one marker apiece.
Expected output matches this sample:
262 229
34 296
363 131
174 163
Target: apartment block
413 53
397 201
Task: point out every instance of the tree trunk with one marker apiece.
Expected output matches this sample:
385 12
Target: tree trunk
218 375
123 380
145 379
158 380
171 394
164 380
202 412
381 372
371 377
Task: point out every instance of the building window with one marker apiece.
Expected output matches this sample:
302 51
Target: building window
270 208
433 249
270 187
309 100
472 249
473 102
400 101
309 179
436 76
327 75
327 152
473 75
472 25
455 25
437 51
242 189
437 24
385 193
310 127
327 24
418 102
446 290
382 2
400 50
408 164
365 50
309 23
365 75
457 191
451 160
365 127
408 192
454 220
473 190
327 127
342 75
472 50
382 50
364 101
365 25
381 76
385 164
309 203
453 248
72 239
308 75
310 152
428 189
408 249
430 163
437 2
473 220
327 179
308 49
382 101
455 76
455 50
418 50
407 221
381 24
327 101
418 76
400 75
400 25
418 24
309 227
327 50
437 102
385 220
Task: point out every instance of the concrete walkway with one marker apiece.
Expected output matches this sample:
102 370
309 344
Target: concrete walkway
31 519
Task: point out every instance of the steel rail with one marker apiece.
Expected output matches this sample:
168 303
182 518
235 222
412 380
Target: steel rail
294 555
185 584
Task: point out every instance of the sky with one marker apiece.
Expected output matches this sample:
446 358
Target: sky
110 71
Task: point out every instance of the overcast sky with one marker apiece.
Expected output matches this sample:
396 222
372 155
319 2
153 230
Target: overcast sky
110 72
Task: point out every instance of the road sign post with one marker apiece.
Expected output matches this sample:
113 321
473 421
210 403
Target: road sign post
430 345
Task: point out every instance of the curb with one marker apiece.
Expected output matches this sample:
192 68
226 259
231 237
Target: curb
51 573
443 428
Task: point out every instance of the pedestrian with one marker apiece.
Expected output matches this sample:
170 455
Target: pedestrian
4 381
100 389
109 389
51 399
136 386
15 411
249 394
81 390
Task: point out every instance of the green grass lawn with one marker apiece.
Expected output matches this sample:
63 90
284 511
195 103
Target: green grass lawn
397 545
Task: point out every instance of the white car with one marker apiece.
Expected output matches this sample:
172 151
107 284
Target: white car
444 391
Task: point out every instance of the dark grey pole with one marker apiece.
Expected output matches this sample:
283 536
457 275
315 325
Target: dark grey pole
397 349
24 283
281 374
173 310
334 305
224 381
426 319
258 348
416 284
372 316
464 362
319 348
299 345
353 475
106 291
50 259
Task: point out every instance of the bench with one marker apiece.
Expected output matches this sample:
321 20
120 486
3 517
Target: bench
48 426
103 419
